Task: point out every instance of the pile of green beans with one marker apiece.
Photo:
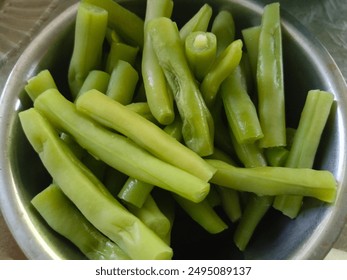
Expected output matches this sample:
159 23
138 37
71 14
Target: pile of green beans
190 111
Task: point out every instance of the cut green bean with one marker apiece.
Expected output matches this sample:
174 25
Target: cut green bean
250 154
116 150
126 23
88 193
267 180
221 155
120 51
198 22
251 39
123 82
96 79
200 49
223 66
222 138
203 214
230 203
271 107
146 134
223 27
135 192
174 129
159 96
198 128
39 83
152 217
143 110
90 31
63 216
276 156
311 126
305 143
230 199
257 207
112 36
239 108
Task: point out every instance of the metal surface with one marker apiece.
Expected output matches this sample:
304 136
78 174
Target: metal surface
307 66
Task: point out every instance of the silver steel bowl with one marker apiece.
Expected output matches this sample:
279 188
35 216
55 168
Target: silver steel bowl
307 66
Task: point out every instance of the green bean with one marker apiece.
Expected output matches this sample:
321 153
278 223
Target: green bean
142 109
123 82
200 49
174 129
266 180
99 80
135 192
230 200
276 156
221 155
112 36
223 27
146 134
159 96
152 217
90 30
203 214
39 83
251 39
239 108
63 216
305 143
230 203
126 23
197 121
88 193
257 207
271 107
96 79
223 66
116 150
222 138
120 51
198 22
250 154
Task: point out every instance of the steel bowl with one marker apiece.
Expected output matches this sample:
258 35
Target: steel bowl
307 66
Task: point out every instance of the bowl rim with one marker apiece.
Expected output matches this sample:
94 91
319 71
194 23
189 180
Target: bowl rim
317 246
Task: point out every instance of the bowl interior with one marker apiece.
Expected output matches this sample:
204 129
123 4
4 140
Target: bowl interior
306 66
